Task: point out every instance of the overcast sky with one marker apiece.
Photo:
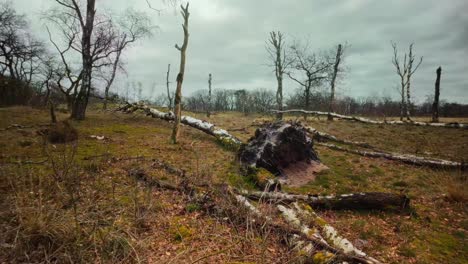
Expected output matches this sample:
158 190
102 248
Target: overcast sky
227 38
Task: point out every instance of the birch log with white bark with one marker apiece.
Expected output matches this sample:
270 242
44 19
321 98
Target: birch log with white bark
405 158
370 121
222 135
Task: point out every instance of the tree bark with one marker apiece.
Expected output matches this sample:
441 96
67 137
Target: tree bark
359 201
222 135
333 80
81 101
405 158
370 121
111 80
180 76
169 97
435 105
208 107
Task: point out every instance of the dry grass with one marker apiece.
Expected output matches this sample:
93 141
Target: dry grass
119 220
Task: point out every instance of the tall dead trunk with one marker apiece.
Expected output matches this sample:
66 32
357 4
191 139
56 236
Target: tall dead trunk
180 76
81 100
276 49
435 105
403 102
333 80
208 108
169 97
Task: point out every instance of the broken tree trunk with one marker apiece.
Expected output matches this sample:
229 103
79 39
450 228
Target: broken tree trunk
370 121
405 158
363 201
435 105
222 135
180 77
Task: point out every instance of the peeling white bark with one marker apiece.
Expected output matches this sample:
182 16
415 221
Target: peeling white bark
325 136
405 158
370 121
202 125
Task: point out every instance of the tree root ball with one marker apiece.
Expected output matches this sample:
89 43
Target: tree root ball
277 146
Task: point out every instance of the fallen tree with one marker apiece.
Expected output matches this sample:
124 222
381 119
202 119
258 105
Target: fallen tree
405 158
371 200
370 121
318 243
222 135
322 136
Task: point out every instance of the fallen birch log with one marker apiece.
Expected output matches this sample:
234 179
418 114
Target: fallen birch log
405 158
370 121
302 239
367 201
324 136
222 135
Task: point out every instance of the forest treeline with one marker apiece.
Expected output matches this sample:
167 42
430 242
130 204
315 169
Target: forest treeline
263 100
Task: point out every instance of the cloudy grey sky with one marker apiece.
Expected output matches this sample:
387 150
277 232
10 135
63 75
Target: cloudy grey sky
227 38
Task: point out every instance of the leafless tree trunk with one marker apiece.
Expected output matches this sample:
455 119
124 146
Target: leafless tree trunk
180 76
87 23
435 105
208 108
169 96
408 80
339 54
111 79
277 51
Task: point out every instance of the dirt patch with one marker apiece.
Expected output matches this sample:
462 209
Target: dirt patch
301 173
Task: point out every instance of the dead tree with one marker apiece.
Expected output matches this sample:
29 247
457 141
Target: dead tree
180 77
405 71
281 61
339 55
169 96
402 71
408 79
435 105
208 107
313 68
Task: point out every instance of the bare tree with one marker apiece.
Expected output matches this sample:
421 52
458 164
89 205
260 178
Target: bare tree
404 71
275 47
20 53
169 95
208 107
312 67
339 56
180 77
408 79
435 105
134 26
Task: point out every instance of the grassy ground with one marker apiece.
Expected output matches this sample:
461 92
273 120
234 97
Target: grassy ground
116 219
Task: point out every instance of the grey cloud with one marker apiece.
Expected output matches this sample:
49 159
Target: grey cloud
228 37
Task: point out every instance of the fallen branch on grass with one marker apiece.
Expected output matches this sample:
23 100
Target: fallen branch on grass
370 121
222 135
302 238
371 200
324 136
405 158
